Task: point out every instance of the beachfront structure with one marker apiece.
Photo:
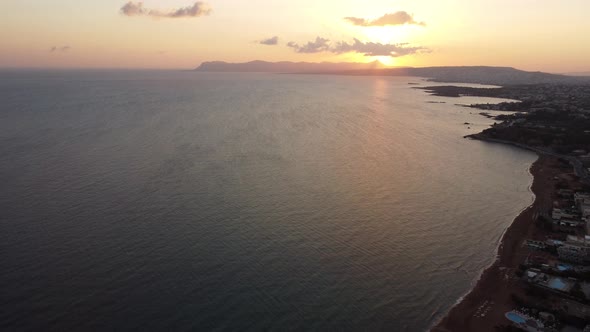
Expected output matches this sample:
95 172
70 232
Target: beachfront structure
550 282
568 226
581 197
546 262
527 323
583 203
575 249
536 245
558 214
553 243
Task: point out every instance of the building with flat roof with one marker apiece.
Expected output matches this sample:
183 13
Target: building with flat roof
583 203
528 323
550 282
568 225
575 249
558 214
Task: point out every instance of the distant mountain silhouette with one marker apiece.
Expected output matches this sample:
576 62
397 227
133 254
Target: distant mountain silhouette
474 74
286 66
464 74
485 75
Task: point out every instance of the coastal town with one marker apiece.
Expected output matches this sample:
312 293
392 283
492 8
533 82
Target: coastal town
541 279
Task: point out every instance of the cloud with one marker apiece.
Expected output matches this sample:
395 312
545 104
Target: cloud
137 9
59 48
366 48
356 20
133 9
316 46
378 49
397 18
270 41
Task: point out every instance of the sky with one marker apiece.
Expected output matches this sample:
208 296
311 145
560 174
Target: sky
544 35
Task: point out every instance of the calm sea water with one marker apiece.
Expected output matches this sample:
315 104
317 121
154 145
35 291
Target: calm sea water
242 202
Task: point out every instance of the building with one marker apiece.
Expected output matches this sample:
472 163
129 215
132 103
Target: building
549 282
527 322
567 225
575 249
584 209
565 193
583 203
536 245
558 214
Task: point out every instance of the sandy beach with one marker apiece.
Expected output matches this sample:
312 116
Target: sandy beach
484 307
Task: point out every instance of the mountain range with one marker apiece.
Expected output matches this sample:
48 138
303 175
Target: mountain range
286 66
464 74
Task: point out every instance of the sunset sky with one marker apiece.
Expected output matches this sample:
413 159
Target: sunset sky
547 35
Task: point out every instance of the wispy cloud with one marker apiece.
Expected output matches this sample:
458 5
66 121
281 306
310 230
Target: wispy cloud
137 9
59 48
366 48
318 45
397 18
270 41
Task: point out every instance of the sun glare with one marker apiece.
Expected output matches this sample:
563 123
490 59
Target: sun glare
356 57
385 35
386 60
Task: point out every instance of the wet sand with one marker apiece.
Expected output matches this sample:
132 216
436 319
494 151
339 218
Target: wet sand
484 307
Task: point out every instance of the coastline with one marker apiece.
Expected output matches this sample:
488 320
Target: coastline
483 308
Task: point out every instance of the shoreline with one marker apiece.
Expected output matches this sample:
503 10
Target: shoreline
491 295
494 293
497 250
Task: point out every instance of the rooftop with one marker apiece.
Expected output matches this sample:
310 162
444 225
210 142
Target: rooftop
539 278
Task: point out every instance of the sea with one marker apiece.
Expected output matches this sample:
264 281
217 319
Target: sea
191 201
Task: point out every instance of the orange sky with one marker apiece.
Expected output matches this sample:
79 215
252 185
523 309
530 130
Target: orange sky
543 35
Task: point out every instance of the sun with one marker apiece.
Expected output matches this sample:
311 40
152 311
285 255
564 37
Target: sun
389 61
361 58
386 60
384 35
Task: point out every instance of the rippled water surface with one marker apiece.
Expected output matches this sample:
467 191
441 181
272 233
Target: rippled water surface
236 202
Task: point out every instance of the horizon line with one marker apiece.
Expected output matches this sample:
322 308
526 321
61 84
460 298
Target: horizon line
97 68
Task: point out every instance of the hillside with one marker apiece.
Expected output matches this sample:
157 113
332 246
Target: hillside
464 74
